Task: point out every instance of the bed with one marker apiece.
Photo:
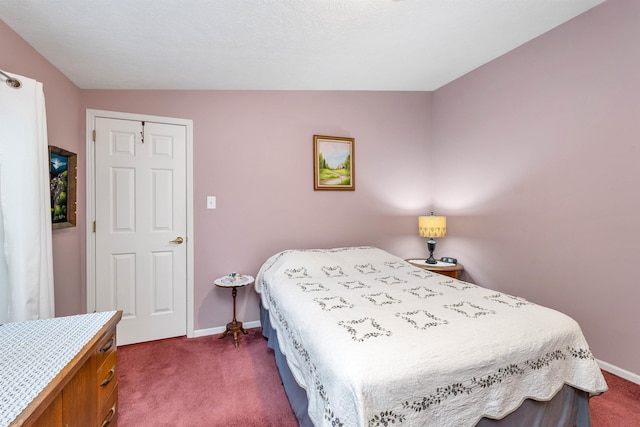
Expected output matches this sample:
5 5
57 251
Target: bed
363 338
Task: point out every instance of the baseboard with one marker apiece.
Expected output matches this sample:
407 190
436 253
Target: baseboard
622 373
220 329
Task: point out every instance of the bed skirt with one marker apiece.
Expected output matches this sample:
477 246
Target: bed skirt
568 408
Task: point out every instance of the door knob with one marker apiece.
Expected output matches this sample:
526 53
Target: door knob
177 240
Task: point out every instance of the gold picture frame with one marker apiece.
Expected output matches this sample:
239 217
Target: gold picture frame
62 185
333 163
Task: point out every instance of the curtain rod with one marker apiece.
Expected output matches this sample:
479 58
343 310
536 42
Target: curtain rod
14 83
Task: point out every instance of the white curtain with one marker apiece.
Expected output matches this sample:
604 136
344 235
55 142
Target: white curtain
26 260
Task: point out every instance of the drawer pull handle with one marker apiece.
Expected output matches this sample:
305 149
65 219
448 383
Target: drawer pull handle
112 373
108 346
109 418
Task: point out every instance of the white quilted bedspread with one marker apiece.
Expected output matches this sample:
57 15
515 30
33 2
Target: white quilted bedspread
376 341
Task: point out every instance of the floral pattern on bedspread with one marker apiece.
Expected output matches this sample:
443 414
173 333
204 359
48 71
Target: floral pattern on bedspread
376 341
467 387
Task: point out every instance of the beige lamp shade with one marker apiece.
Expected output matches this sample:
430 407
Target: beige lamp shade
432 226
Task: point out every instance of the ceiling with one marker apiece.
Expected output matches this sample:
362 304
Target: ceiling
401 45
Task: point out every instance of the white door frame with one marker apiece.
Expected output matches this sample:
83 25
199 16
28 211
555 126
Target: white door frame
90 203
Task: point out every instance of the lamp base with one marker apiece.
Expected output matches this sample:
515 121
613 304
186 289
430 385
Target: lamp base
431 246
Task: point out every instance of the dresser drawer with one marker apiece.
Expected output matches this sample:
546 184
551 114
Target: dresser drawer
106 346
108 416
106 378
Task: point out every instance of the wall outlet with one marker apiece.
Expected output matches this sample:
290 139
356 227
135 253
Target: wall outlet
211 202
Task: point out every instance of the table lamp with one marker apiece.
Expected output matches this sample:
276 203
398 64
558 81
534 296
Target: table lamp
432 226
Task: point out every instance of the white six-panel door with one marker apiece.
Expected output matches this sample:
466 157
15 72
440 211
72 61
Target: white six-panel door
141 230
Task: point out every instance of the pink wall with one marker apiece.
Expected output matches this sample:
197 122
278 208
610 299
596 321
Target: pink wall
254 151
64 119
537 168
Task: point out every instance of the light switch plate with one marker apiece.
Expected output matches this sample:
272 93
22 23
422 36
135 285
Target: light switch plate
211 202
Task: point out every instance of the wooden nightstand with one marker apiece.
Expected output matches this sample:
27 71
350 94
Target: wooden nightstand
451 270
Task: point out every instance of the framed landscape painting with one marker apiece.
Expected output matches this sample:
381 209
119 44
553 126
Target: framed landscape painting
333 163
62 182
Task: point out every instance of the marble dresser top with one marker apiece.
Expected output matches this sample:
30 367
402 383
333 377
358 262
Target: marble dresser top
33 352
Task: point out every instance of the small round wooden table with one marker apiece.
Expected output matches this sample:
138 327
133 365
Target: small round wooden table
451 270
234 283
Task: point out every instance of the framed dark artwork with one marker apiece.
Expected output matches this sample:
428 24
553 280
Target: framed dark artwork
333 163
62 183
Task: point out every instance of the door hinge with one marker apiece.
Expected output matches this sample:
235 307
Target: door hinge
94 226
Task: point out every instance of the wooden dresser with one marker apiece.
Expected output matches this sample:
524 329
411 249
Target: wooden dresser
60 371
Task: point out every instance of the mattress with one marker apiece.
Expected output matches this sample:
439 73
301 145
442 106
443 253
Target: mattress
568 408
373 340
